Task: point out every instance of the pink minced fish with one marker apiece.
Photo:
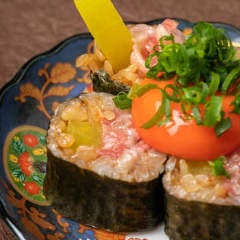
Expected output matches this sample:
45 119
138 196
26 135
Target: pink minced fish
145 37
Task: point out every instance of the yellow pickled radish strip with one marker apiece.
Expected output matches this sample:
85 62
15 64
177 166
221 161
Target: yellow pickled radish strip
108 29
85 133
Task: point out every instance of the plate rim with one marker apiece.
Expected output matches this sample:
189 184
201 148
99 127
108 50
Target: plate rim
22 70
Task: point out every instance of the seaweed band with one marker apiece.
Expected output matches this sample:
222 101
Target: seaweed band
115 184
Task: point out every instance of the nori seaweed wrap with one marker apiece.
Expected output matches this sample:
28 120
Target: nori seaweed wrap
99 171
200 204
103 83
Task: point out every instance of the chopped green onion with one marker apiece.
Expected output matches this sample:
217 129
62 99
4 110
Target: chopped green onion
205 91
197 115
158 115
214 83
223 126
166 38
186 107
122 101
142 90
192 94
133 91
230 78
163 109
175 92
217 167
213 111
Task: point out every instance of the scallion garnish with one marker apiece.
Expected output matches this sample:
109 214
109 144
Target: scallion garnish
230 79
197 115
217 167
162 113
214 83
143 89
223 126
213 111
203 66
122 101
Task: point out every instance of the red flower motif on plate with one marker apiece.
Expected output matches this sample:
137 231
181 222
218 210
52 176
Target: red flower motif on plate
30 140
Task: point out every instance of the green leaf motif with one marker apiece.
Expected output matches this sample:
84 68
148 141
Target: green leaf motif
42 140
17 173
18 146
12 166
38 179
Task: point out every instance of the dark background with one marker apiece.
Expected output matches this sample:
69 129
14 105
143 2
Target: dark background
28 28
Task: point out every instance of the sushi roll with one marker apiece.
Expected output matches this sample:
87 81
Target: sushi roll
177 111
200 204
99 172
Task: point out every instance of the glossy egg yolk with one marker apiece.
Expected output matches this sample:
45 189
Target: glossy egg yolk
183 138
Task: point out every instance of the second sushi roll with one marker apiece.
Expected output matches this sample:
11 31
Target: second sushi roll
200 203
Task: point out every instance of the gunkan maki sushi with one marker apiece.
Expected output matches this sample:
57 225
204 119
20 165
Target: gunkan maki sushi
99 171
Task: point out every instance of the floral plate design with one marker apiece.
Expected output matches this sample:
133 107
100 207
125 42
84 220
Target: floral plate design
26 105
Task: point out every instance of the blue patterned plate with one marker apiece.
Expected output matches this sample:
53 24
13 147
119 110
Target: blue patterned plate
26 104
